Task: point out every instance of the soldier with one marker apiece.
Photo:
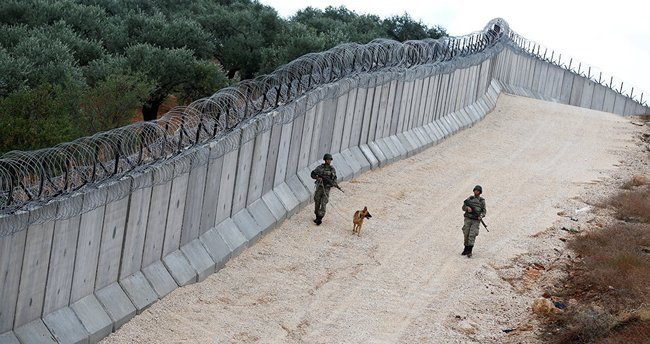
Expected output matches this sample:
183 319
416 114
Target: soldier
325 175
474 208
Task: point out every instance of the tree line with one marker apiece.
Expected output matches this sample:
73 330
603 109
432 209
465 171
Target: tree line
71 68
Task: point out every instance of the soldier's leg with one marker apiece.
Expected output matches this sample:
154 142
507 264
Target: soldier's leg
318 195
318 200
473 233
323 203
466 226
466 229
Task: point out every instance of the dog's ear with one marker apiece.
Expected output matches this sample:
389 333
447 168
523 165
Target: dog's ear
365 208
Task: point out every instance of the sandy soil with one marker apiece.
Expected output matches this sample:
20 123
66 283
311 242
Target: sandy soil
404 280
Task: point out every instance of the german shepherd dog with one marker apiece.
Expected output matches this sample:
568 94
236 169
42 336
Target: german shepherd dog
357 220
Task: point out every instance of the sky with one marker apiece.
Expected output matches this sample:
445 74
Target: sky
613 37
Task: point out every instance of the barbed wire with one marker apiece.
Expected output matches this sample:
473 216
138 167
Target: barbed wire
41 183
575 66
36 177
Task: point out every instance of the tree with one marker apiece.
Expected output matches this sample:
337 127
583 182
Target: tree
295 40
82 49
112 102
403 28
241 30
160 31
173 71
13 73
39 117
51 62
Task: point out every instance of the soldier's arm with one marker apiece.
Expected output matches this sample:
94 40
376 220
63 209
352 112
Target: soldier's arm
465 206
316 173
484 212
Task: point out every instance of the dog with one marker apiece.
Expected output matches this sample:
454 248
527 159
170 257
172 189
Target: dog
357 220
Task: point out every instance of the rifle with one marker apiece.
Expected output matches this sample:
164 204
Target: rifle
327 181
474 211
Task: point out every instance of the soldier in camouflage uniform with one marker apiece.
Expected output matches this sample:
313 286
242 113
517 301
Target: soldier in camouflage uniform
474 208
325 175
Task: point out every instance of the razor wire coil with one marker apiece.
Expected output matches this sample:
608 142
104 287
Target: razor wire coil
32 179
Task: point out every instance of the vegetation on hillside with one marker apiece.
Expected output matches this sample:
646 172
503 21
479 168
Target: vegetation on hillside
70 68
608 283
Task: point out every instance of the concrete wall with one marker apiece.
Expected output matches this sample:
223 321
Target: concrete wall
79 278
527 76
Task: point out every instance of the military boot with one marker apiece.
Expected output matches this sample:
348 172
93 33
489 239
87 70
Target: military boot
319 220
469 251
465 251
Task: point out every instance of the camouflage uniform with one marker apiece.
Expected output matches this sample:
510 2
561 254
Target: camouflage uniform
321 196
472 220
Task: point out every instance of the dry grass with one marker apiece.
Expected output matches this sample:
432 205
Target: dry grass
610 280
632 205
635 181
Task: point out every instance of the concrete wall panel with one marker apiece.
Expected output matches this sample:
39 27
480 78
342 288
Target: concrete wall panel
300 124
243 173
258 167
227 186
326 131
90 234
416 103
609 99
136 230
357 121
175 212
157 222
12 249
211 192
381 110
598 98
272 157
428 98
61 267
587 94
397 104
576 91
110 250
348 118
302 140
567 86
339 122
390 104
368 110
401 106
33 279
283 152
194 196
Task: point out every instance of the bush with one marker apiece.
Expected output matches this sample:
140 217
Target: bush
610 279
40 117
632 205
113 102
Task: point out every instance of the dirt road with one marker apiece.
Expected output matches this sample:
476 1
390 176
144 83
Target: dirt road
404 280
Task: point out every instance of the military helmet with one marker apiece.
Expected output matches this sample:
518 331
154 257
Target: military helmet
327 156
479 188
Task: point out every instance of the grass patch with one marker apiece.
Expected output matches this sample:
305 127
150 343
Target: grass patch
632 205
609 283
635 181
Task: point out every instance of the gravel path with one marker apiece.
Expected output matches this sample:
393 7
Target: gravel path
404 280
